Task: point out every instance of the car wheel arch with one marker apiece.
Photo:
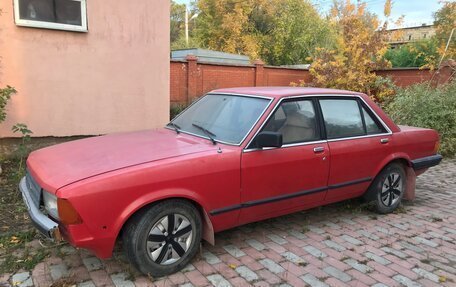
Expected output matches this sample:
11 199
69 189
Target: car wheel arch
208 230
403 160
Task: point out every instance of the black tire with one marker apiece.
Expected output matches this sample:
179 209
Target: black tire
388 188
143 234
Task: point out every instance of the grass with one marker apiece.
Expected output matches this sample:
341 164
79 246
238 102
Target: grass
16 230
16 255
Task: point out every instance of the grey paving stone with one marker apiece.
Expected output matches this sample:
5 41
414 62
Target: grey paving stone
368 234
297 234
22 279
379 285
187 285
426 274
332 225
218 281
406 281
271 266
394 252
120 280
210 258
290 256
384 230
256 244
339 274
358 266
58 271
313 281
92 263
68 250
425 241
400 226
351 240
315 229
411 247
277 239
188 268
439 236
333 245
234 250
377 258
314 251
246 273
348 221
86 284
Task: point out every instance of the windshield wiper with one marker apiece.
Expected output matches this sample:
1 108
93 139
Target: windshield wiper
209 134
175 127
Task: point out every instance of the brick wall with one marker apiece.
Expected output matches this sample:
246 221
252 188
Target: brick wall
191 79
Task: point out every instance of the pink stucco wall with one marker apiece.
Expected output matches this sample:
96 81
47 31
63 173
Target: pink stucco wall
113 78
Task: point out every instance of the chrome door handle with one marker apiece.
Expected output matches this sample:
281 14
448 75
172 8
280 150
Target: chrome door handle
319 149
384 141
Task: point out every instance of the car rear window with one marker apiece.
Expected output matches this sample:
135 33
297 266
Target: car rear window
342 118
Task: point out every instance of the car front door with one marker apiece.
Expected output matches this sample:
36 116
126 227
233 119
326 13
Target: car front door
282 180
358 143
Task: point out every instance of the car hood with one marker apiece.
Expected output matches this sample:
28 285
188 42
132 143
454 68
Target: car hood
57 166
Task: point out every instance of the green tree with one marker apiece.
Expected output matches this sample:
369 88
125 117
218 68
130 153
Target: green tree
177 29
177 21
276 31
419 54
445 22
296 30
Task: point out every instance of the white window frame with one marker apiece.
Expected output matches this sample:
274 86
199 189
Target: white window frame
52 25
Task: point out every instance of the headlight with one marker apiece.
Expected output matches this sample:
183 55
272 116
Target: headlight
50 204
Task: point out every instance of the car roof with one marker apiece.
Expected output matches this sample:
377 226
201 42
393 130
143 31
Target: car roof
280 92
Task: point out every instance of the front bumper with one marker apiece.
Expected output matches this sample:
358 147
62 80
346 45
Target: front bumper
42 222
426 162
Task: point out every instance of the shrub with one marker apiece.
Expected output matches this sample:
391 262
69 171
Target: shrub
5 95
176 109
419 54
431 107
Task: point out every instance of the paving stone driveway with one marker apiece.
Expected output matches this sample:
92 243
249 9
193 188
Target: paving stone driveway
338 245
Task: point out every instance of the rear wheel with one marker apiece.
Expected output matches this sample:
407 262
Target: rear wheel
164 238
388 188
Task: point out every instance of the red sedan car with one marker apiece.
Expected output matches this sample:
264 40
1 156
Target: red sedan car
233 157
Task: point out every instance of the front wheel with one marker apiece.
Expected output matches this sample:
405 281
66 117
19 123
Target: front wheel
164 238
388 188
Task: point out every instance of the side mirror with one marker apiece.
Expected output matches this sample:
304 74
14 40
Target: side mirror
269 139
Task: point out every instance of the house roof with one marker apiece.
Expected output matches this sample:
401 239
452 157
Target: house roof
279 92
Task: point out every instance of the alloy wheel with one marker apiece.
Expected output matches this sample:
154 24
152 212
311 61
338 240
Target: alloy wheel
391 189
169 239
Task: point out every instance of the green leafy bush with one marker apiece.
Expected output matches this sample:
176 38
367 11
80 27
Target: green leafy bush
419 54
432 107
5 95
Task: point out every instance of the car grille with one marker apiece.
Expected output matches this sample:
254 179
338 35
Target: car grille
35 189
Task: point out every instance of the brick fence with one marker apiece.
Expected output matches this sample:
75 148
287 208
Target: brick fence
191 79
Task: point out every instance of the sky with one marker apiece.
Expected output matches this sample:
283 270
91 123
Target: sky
416 12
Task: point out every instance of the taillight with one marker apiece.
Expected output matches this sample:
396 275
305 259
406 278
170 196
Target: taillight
67 214
436 146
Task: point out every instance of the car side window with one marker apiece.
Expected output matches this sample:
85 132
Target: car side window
296 121
342 118
372 126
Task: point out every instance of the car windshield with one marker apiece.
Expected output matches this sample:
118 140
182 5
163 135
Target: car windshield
221 118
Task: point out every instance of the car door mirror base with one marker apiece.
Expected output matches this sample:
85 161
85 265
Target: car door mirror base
269 140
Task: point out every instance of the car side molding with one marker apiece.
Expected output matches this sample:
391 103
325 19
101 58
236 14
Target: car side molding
426 162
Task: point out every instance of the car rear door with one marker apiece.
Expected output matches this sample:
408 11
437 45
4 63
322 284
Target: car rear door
281 180
358 143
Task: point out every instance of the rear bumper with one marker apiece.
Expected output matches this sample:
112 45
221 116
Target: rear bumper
44 224
426 162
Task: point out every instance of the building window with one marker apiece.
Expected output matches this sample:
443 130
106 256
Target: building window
424 36
52 14
410 37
